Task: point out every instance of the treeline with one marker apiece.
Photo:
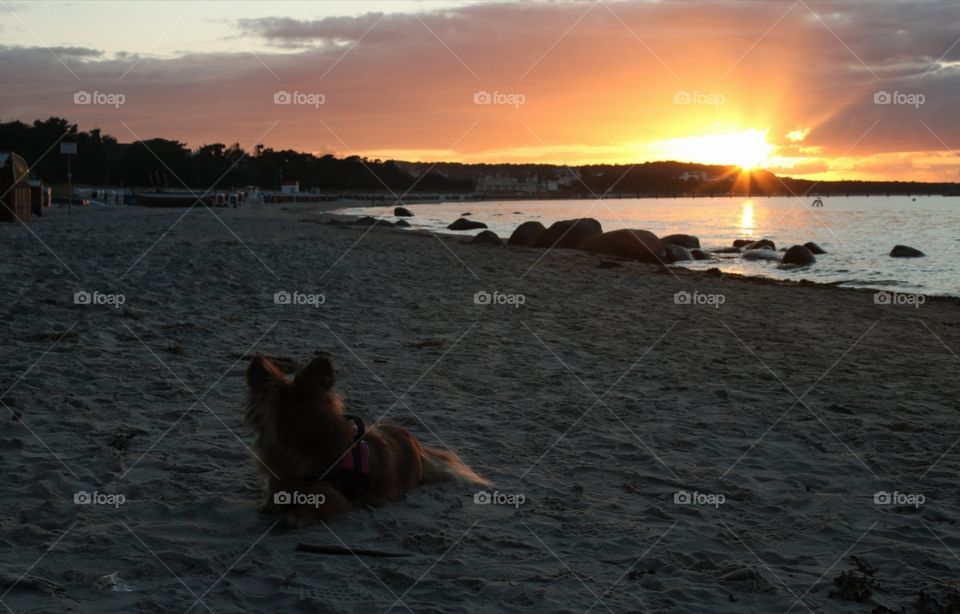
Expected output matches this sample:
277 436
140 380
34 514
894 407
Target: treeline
102 160
662 178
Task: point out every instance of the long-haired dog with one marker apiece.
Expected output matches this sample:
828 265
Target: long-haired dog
316 461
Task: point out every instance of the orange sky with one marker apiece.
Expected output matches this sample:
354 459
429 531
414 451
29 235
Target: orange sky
569 82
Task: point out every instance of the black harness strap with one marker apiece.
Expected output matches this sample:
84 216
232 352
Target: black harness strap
361 429
354 481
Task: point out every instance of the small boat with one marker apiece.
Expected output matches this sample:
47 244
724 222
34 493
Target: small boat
817 202
173 199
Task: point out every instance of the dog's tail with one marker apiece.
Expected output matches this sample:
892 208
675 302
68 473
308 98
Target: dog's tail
442 465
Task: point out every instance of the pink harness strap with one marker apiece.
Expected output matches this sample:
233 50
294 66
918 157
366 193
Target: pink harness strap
358 459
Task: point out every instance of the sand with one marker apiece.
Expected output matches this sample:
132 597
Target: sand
588 394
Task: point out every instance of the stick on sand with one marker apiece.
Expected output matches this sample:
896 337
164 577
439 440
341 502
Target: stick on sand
337 550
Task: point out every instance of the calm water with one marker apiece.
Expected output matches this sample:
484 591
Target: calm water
858 232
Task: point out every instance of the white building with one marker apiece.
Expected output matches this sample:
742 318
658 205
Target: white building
694 175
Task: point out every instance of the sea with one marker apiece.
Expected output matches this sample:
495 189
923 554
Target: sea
857 232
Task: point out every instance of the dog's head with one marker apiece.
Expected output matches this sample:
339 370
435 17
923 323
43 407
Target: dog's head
272 398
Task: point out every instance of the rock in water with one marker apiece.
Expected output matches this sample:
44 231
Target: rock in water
402 212
760 254
402 223
742 242
699 254
487 237
688 241
640 245
526 234
465 224
675 253
814 248
762 244
371 221
902 251
798 255
569 233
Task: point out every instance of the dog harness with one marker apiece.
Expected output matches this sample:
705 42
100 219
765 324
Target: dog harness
352 473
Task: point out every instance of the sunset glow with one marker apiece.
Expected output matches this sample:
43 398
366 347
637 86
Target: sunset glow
748 149
798 89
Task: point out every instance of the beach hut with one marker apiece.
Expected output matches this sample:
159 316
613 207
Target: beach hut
14 188
39 197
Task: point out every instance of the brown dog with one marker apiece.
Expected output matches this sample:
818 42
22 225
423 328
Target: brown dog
309 454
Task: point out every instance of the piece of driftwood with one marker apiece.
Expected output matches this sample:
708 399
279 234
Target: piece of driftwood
337 550
29 583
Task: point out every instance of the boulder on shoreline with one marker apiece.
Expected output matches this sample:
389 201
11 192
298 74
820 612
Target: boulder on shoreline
687 241
701 254
743 242
762 244
760 254
675 253
402 212
814 248
798 255
640 245
371 221
902 251
465 224
569 233
402 224
526 234
487 237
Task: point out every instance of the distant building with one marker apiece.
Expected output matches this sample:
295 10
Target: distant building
694 176
507 184
290 187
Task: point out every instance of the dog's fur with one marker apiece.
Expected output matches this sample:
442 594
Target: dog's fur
301 435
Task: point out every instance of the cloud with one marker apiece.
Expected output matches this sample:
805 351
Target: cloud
286 30
599 80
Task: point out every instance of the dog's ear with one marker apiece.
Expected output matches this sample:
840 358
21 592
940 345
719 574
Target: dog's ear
318 374
261 372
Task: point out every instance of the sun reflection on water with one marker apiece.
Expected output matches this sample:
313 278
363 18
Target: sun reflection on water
747 225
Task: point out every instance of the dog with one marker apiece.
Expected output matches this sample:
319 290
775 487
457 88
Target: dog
317 462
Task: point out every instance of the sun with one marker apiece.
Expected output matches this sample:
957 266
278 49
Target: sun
747 149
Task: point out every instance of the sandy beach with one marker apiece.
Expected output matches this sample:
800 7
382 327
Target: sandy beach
745 447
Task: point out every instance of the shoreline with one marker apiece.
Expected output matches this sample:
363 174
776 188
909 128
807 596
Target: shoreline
346 218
